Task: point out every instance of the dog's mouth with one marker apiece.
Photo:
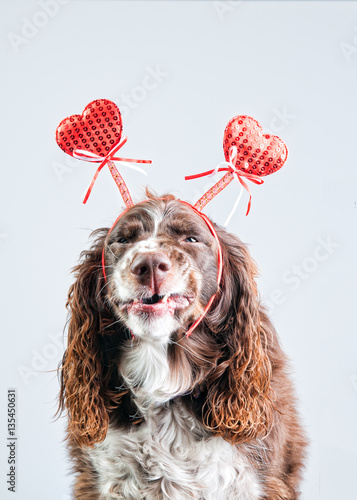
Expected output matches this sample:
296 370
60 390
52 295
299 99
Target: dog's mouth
159 304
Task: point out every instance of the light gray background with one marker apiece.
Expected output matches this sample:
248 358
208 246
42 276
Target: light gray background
291 65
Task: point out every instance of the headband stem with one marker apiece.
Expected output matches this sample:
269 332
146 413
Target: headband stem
214 190
119 181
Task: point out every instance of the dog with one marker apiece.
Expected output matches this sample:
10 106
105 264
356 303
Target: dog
154 413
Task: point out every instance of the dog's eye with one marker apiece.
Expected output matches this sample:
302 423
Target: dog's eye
124 241
191 239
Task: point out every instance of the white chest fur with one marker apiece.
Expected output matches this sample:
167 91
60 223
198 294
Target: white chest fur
171 457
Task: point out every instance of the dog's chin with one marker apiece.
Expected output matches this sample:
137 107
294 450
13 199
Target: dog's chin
152 327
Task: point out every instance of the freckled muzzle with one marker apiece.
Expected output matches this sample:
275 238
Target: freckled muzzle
155 266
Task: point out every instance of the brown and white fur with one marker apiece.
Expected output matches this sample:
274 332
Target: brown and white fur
156 415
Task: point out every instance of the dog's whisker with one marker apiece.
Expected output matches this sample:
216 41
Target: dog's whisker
112 324
100 291
111 251
192 353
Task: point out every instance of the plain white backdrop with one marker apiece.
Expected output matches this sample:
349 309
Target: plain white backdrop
179 70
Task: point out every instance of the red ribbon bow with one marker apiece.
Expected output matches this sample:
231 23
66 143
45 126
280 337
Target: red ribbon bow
82 154
232 172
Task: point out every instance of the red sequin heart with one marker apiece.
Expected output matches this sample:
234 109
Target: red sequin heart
257 153
98 129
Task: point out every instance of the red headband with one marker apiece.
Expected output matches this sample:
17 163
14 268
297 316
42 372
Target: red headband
250 154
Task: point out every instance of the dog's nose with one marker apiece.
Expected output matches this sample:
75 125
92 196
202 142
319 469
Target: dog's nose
151 268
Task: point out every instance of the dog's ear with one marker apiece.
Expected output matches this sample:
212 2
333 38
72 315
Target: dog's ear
84 376
239 400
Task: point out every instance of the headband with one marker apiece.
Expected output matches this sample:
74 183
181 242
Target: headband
96 136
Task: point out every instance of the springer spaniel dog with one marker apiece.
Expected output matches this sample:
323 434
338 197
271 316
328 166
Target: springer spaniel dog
155 414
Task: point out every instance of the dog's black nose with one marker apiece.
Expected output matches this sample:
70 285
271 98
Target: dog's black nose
151 268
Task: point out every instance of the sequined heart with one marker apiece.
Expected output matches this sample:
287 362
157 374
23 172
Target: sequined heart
98 129
257 153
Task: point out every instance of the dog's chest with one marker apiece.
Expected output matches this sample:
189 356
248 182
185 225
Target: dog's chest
170 457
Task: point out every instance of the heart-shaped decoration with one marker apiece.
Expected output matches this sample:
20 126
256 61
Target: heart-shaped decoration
257 153
98 129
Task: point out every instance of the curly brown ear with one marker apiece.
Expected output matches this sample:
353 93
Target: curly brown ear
239 400
84 391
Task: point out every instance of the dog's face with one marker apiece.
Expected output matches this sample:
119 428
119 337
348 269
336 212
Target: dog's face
161 267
